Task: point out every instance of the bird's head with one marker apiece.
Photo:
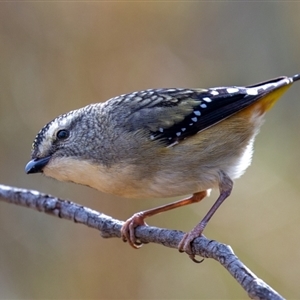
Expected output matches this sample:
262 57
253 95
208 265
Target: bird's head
62 141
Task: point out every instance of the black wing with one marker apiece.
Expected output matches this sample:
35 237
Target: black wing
172 115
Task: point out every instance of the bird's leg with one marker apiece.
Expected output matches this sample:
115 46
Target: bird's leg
127 230
225 187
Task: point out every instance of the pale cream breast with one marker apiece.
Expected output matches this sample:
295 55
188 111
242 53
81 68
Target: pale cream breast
113 180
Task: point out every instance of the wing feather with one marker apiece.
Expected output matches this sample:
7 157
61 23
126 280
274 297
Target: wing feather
171 115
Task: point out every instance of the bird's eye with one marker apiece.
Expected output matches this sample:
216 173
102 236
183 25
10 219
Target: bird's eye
62 134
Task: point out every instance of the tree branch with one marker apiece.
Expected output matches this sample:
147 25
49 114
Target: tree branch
109 227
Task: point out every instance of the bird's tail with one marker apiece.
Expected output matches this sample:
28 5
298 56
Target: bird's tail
273 90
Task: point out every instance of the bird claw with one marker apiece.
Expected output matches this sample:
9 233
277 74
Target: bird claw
185 244
128 228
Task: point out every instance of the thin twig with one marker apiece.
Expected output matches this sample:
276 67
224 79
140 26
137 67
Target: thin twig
109 227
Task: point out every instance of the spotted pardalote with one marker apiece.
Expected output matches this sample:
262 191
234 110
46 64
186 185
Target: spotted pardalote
159 143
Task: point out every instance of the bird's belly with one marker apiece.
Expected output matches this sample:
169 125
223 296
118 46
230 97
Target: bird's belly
118 179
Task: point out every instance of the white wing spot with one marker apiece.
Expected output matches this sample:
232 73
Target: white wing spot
161 129
269 85
252 92
178 133
206 99
214 93
183 129
194 119
197 113
232 90
203 105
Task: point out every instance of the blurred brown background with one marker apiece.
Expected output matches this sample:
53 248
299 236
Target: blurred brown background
56 57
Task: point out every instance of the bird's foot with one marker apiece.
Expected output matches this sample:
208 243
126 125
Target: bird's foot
128 228
185 244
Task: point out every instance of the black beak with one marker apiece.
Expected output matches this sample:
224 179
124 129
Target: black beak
36 165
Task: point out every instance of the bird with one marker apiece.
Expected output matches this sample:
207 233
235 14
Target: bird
159 143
